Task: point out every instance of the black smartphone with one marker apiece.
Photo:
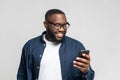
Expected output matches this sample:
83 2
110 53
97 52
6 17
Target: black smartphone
84 51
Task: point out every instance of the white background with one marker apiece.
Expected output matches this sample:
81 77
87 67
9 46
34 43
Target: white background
96 23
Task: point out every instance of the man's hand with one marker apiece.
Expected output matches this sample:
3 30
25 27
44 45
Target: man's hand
82 63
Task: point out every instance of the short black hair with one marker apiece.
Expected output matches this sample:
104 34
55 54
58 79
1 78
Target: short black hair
53 11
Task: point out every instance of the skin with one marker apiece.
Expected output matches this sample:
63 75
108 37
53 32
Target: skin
53 34
57 35
82 63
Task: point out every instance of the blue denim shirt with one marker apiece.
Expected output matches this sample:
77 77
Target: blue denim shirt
32 53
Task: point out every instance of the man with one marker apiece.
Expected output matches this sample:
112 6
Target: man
54 56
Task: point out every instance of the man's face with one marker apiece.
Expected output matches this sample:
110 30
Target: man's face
55 34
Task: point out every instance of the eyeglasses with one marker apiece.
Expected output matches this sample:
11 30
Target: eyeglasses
58 25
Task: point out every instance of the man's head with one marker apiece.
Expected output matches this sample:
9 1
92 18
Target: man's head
56 25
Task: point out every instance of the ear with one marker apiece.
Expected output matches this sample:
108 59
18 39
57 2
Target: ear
45 24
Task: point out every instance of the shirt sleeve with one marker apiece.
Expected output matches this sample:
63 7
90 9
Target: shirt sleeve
21 75
89 75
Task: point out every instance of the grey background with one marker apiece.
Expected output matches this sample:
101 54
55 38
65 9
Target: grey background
96 23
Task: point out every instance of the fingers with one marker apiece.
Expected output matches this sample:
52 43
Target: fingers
82 60
86 56
82 63
83 69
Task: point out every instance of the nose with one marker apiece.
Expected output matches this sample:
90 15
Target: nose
61 29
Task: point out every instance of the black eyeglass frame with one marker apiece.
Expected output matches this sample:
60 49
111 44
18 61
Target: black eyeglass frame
58 25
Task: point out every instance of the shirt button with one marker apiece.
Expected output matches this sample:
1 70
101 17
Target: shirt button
36 79
38 67
44 44
40 55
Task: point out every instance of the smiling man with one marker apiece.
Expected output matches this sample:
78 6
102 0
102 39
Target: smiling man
53 55
56 26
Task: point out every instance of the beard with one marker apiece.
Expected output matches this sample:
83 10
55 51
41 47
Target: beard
53 37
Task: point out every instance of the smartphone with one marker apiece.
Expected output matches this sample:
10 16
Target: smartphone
84 51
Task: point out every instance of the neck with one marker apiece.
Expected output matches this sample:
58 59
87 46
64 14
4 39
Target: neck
47 37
